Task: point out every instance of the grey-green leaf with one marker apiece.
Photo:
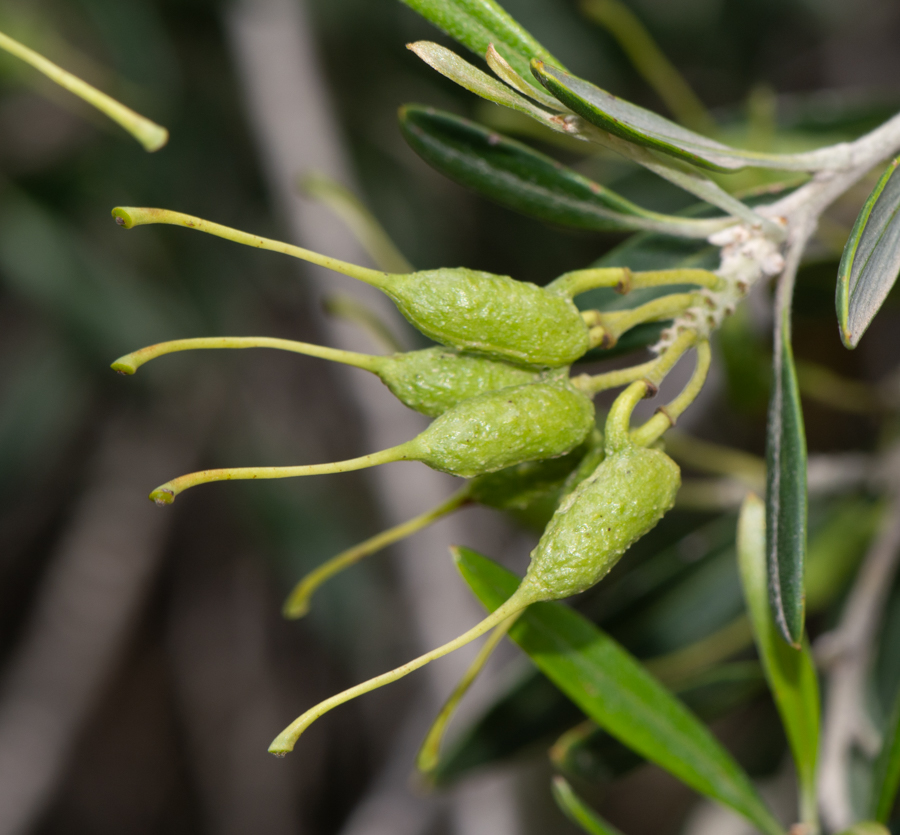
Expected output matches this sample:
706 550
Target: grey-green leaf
577 811
786 498
871 260
644 127
522 179
614 690
791 675
477 24
886 775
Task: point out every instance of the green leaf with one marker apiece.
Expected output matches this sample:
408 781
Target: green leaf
614 690
786 498
477 24
644 127
533 712
522 179
871 260
791 674
451 66
592 754
886 774
576 810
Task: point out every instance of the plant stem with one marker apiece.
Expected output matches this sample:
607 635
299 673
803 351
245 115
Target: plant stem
130 363
665 307
594 383
148 133
847 654
166 493
130 216
624 280
297 603
618 421
668 415
429 754
661 278
580 281
286 740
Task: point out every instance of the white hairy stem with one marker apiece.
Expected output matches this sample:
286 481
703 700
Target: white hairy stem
846 653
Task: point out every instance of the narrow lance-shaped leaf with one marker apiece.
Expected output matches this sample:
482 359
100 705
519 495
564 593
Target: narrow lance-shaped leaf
786 499
614 690
477 24
791 675
886 776
520 178
471 78
476 81
871 260
644 127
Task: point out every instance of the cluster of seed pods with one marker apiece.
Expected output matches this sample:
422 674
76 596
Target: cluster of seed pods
507 416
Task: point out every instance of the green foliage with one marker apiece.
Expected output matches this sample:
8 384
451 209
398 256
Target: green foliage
509 417
786 499
871 260
478 24
614 690
791 673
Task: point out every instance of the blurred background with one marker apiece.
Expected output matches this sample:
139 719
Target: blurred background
144 664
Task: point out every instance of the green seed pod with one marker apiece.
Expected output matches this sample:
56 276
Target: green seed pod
625 497
488 314
506 427
494 315
530 492
483 434
430 381
434 380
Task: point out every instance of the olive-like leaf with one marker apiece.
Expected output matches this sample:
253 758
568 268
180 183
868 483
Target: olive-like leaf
532 711
576 810
871 260
451 66
477 24
644 127
522 179
786 496
590 753
791 675
614 690
886 775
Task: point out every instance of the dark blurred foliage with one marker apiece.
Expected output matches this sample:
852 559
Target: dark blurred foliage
76 292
